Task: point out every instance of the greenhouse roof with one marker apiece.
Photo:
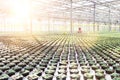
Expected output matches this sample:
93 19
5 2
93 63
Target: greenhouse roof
106 11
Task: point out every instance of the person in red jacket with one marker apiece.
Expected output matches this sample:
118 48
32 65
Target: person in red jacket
79 30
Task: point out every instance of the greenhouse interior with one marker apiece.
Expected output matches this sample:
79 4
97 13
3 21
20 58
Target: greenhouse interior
59 39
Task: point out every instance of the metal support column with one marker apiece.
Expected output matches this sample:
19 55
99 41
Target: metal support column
78 26
71 22
119 23
94 17
31 22
109 19
53 24
65 22
4 23
119 26
98 25
48 24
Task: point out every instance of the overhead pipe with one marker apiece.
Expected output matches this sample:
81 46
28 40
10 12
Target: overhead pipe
94 17
71 21
109 19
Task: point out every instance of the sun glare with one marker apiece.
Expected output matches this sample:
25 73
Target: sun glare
21 9
20 15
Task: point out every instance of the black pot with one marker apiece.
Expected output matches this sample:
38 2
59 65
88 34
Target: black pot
11 65
85 67
17 68
33 77
111 63
20 78
50 72
115 66
94 67
22 65
99 71
53 64
118 70
73 67
16 62
4 68
10 72
63 63
25 73
92 63
54 61
47 77
2 64
117 60
74 77
1 72
73 61
117 78
33 64
62 71
88 76
99 76
104 66
101 79
83 64
114 75
83 71
43 64
29 68
4 77
63 67
61 77
17 77
38 72
41 68
52 67
109 71
74 71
